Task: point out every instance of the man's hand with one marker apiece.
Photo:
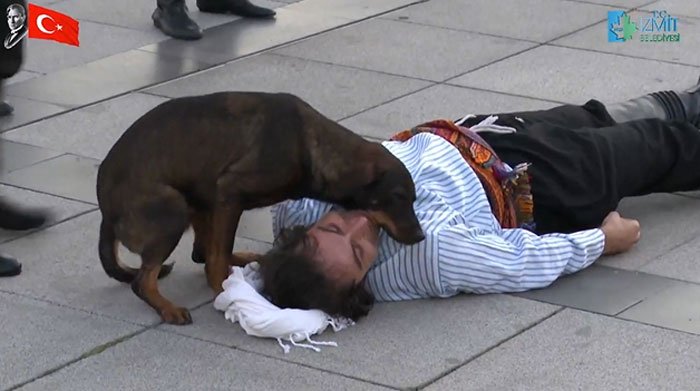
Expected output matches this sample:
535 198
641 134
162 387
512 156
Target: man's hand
620 233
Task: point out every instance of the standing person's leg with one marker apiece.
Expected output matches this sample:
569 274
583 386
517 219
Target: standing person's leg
170 16
5 108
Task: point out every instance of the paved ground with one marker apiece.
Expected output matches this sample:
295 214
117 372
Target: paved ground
378 66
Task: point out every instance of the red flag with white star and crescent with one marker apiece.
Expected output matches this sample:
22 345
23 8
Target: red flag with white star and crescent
48 24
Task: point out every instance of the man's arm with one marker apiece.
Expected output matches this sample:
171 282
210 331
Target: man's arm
518 260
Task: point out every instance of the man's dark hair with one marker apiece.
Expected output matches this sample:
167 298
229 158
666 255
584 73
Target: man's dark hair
292 279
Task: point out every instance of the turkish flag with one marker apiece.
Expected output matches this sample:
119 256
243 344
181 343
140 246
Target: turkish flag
48 24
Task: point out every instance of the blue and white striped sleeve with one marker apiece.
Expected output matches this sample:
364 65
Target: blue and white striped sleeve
290 213
514 260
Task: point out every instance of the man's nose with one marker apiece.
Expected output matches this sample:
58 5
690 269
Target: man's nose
358 223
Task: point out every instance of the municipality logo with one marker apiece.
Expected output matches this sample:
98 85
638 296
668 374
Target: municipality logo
660 26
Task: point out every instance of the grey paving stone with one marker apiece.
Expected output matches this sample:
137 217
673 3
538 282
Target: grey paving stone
96 41
22 76
335 91
356 9
557 73
15 155
161 361
257 225
681 263
247 36
666 220
90 131
38 336
136 14
59 209
26 111
621 4
61 264
67 176
104 78
682 52
601 289
676 308
438 101
675 7
400 344
381 45
518 18
580 351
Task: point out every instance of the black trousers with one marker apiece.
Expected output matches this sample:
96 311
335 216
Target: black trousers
584 163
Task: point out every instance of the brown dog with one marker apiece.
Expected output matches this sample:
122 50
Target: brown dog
203 160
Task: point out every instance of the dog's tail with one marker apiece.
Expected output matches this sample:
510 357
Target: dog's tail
109 256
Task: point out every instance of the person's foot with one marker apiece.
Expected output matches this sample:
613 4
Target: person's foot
16 219
9 267
174 21
237 7
5 109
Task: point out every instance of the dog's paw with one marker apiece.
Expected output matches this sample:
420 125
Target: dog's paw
244 258
176 315
198 256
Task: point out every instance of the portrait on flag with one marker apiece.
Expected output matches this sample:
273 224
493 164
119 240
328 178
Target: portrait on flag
16 21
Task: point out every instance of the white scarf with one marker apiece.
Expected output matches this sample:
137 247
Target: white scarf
241 302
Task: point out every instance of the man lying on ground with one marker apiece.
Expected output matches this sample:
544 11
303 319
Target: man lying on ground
490 229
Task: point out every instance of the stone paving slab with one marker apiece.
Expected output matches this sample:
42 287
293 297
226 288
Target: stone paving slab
402 344
14 156
680 263
602 290
335 91
676 308
162 361
438 101
90 131
593 38
558 74
39 336
60 209
381 45
27 110
675 7
666 220
68 176
562 17
582 351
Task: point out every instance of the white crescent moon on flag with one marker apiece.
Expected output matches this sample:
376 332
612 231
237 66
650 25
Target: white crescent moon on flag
39 23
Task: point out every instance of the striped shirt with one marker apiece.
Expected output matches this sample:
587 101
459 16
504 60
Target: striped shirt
465 249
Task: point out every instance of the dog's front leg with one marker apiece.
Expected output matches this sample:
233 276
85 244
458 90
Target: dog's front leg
222 234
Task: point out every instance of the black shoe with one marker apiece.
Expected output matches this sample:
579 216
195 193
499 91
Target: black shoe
237 7
174 21
16 219
9 267
5 109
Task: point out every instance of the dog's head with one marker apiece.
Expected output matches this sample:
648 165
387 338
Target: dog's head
389 196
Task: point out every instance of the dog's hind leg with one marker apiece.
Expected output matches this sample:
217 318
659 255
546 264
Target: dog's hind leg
159 223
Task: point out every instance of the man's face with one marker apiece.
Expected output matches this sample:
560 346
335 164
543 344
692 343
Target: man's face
345 244
14 19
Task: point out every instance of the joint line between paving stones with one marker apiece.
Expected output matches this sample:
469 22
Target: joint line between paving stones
46 193
471 359
206 67
47 226
277 358
92 352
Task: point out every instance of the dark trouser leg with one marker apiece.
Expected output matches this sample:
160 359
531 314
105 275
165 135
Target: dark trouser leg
5 108
172 19
580 175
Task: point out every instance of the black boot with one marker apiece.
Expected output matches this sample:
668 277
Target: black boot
172 19
9 267
238 7
669 105
16 219
5 108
